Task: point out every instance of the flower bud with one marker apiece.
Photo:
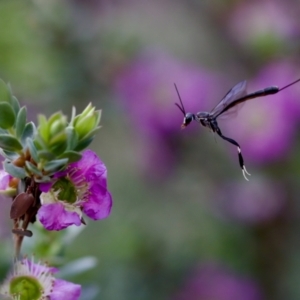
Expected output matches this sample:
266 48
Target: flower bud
87 121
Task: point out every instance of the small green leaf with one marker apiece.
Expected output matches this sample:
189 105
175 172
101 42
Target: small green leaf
83 144
15 104
72 138
9 155
71 155
28 132
10 143
91 134
46 155
33 169
58 148
43 128
5 93
39 143
13 170
78 266
55 165
33 151
7 115
21 121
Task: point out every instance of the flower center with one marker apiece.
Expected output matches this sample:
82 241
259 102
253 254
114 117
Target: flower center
67 190
26 287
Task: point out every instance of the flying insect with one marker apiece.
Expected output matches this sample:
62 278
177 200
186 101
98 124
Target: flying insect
235 96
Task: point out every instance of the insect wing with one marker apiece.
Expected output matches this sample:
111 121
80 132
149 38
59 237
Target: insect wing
238 91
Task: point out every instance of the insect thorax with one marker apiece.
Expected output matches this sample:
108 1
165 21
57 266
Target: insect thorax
202 115
203 118
206 120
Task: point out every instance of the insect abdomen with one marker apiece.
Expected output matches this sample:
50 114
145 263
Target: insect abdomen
271 90
267 91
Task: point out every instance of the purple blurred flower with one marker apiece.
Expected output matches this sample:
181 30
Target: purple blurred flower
4 180
146 91
251 25
8 189
267 125
253 202
212 281
8 184
36 281
82 187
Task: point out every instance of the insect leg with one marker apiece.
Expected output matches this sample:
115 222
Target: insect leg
241 160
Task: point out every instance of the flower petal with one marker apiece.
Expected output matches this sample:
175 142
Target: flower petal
4 180
65 290
91 167
99 204
45 186
55 217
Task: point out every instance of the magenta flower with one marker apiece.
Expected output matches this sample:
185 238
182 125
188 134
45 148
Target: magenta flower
35 282
212 281
82 187
254 202
265 127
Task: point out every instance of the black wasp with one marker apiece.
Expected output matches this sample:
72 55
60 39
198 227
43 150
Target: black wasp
235 96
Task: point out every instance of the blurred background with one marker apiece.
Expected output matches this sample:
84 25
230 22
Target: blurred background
185 224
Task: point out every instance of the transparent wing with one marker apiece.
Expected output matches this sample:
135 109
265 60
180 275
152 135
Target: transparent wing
237 92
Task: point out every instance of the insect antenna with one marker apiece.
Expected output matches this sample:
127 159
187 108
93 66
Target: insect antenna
289 85
180 107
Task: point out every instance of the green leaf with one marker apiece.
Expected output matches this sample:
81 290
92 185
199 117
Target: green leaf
83 144
91 134
72 138
43 127
7 115
55 165
58 148
5 93
39 143
15 104
46 155
33 169
78 266
28 132
9 155
59 138
21 121
10 143
71 155
33 151
13 170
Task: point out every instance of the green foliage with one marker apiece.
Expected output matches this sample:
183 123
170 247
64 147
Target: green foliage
42 151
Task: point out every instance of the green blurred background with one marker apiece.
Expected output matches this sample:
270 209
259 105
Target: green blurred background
184 224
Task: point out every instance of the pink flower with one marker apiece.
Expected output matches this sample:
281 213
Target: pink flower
36 281
82 187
